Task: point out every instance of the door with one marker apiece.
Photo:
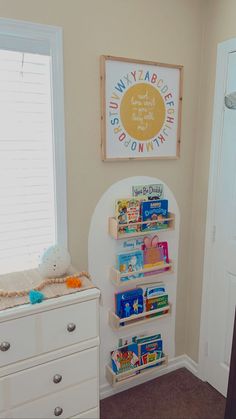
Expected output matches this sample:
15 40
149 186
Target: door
221 295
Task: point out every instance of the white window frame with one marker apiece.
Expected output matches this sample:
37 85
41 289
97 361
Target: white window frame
53 35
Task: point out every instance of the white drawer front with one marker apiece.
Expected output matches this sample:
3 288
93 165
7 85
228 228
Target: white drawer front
72 401
1 395
55 325
39 381
5 415
90 414
20 334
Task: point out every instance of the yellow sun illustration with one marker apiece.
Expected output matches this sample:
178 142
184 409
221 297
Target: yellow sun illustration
142 111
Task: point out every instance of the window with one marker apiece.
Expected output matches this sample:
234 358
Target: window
32 157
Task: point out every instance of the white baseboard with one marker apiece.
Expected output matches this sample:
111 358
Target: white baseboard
173 364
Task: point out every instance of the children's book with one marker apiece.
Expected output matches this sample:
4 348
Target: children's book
127 211
136 351
130 244
125 341
154 211
151 192
129 263
156 302
153 254
155 290
125 358
146 338
129 303
164 247
150 351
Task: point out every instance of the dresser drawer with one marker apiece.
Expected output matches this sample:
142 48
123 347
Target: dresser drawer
69 402
90 414
20 335
54 376
68 325
1 395
4 415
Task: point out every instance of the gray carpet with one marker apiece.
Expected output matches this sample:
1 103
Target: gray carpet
177 395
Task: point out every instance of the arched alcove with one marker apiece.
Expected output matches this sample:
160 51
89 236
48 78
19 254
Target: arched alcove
102 250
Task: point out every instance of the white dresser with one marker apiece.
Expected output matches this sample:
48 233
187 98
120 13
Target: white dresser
49 358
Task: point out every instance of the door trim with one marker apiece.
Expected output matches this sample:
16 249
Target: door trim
223 50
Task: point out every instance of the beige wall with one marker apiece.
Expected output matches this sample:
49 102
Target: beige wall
219 25
165 31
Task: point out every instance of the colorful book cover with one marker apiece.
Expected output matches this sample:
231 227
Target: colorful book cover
129 303
153 256
125 358
164 246
125 341
154 211
146 338
130 262
127 211
130 244
151 192
155 290
150 351
154 303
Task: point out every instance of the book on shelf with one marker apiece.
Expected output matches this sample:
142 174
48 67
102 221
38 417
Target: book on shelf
129 263
154 211
127 211
129 303
150 351
153 254
131 244
125 358
136 351
150 192
156 299
145 338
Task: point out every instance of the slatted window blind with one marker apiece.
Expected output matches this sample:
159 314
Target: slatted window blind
27 172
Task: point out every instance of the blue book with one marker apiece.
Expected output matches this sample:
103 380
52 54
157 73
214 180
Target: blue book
154 211
145 339
129 303
130 262
150 351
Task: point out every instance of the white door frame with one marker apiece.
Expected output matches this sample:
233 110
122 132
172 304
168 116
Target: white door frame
223 50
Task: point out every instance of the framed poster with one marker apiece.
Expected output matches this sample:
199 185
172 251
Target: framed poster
141 109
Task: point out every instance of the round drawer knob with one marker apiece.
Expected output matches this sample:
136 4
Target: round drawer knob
57 378
4 346
58 411
71 327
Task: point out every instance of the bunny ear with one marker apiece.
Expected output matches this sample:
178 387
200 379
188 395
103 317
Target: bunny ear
155 241
147 242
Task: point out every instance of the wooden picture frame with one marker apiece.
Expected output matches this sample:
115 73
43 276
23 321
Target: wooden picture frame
141 105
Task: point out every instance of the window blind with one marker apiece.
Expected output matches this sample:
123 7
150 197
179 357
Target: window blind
27 187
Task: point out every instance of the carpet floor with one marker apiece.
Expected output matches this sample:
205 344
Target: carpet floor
176 395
